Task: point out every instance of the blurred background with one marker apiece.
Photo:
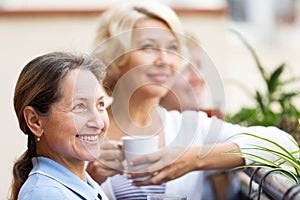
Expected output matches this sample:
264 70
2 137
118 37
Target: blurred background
29 28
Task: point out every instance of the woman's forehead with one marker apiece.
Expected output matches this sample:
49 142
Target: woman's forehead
79 80
153 28
157 36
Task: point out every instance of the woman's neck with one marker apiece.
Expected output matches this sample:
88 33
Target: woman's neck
76 166
136 116
136 108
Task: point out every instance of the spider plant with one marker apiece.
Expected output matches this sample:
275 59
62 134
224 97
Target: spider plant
286 160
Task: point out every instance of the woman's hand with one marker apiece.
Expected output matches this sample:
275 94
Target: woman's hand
167 165
109 163
172 163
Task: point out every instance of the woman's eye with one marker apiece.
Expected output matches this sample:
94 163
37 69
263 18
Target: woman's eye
173 48
147 46
79 107
101 105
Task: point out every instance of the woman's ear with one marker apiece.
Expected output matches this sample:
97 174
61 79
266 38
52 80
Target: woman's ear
33 121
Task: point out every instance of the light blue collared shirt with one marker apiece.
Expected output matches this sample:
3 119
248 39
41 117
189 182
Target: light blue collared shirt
50 180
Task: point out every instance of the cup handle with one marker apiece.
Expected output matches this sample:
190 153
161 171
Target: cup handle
120 145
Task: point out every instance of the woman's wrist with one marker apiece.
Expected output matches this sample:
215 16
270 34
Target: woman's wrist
217 157
196 163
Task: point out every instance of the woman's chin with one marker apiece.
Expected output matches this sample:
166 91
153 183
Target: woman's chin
92 154
158 91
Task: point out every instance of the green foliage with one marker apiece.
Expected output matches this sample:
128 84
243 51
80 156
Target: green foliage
275 96
286 160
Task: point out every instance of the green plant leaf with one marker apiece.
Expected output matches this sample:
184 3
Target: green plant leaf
259 100
270 142
284 156
270 105
255 158
274 79
287 158
245 117
287 96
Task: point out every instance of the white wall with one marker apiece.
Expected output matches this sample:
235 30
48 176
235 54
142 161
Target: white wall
22 37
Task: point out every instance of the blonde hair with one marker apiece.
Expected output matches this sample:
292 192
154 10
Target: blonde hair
114 35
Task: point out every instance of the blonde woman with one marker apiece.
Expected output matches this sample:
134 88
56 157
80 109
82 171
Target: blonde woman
141 44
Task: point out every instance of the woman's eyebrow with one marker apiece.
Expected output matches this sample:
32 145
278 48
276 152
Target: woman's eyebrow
100 98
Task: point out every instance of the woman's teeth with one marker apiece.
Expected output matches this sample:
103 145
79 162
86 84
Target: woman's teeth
88 138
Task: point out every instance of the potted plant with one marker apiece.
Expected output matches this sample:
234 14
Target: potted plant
274 96
264 113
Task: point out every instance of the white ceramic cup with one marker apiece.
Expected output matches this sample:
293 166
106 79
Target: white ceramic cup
135 146
166 197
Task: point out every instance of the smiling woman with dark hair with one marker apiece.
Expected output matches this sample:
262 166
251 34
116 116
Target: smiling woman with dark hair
60 107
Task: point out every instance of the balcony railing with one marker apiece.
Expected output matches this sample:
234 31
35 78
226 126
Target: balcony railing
263 184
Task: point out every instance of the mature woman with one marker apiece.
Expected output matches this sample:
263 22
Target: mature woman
60 107
141 44
188 88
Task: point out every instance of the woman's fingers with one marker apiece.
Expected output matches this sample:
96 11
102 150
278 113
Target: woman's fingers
109 144
149 158
156 178
100 171
169 167
110 151
111 155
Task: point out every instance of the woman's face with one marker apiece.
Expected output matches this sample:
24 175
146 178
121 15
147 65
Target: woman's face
188 89
77 122
153 59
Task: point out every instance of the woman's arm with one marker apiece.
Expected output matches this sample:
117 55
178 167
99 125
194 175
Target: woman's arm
174 162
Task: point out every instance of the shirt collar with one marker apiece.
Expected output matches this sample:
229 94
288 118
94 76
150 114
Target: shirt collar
56 171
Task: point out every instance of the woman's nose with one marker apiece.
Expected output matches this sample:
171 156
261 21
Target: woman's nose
195 78
96 119
163 58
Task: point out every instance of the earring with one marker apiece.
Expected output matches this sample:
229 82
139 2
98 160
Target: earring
38 139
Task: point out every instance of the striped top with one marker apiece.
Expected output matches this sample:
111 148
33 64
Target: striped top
124 190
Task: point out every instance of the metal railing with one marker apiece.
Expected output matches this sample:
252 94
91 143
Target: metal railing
263 184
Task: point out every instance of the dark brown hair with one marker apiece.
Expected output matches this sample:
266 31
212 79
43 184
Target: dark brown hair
38 86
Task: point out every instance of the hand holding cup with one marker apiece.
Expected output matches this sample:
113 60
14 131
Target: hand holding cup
136 146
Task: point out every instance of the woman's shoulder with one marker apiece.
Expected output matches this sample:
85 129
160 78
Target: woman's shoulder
42 192
175 113
176 117
43 186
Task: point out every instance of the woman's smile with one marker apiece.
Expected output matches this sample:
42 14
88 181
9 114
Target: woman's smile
89 138
159 77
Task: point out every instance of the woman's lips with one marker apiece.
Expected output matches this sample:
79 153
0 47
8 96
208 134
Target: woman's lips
159 77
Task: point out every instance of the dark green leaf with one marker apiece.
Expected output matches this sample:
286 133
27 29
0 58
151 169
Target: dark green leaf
259 100
274 78
288 96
